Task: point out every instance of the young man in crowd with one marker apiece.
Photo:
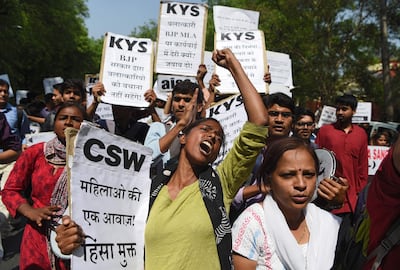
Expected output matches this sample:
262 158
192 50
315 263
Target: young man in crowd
349 142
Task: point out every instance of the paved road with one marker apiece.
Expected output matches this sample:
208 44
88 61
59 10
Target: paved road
11 247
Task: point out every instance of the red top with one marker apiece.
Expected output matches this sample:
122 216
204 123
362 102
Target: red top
32 169
383 206
351 151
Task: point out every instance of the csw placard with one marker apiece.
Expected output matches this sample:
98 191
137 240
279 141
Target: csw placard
126 69
109 187
231 114
249 49
181 38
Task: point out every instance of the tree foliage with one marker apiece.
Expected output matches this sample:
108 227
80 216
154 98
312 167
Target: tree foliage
43 38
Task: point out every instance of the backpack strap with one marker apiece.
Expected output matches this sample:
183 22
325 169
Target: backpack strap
392 238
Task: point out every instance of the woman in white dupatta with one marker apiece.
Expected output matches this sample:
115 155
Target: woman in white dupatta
286 231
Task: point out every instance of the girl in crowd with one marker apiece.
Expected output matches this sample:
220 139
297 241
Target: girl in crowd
381 138
40 171
187 226
285 231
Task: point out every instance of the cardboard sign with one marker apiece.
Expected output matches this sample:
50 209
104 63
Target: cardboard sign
110 186
181 38
232 115
126 69
249 49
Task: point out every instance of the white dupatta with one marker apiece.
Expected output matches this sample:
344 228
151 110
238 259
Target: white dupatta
323 227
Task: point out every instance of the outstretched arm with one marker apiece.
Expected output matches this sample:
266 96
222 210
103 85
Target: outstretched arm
256 111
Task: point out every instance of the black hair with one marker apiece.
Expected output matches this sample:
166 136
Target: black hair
347 100
74 84
188 87
279 98
300 112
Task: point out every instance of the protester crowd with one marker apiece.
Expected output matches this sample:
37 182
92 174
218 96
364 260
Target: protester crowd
266 187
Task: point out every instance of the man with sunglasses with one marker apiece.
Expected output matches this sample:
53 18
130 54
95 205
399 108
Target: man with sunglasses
162 137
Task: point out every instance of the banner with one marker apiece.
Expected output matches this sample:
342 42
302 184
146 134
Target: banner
126 69
110 186
249 49
181 38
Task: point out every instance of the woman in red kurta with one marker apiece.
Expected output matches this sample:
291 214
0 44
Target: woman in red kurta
39 168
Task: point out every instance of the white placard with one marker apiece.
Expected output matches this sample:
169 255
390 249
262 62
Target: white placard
126 69
20 94
363 113
210 65
232 115
181 38
249 49
375 156
280 67
110 188
328 116
103 110
229 19
49 82
166 83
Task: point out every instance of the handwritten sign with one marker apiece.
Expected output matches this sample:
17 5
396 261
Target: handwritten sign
126 69
280 67
110 188
181 38
103 110
229 19
249 49
231 113
375 156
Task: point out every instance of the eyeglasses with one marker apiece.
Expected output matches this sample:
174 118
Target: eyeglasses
276 114
305 124
178 99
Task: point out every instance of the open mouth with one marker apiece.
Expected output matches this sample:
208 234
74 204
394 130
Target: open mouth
206 147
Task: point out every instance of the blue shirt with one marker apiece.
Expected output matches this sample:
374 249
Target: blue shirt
11 115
